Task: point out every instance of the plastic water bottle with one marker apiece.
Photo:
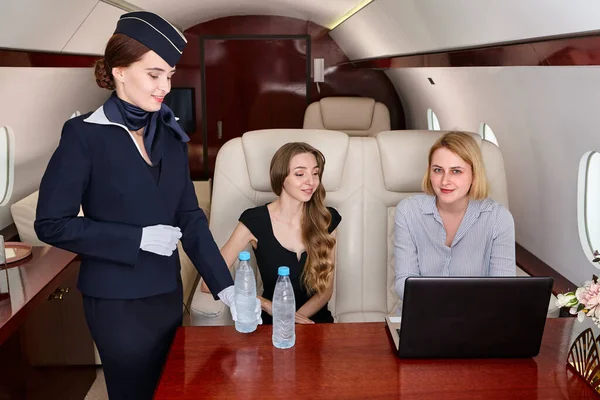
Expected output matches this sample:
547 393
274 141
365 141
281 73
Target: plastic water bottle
245 295
284 311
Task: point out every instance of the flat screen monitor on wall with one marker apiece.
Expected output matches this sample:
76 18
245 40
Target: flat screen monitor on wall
181 101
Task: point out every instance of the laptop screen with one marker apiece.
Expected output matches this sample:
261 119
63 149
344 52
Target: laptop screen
472 317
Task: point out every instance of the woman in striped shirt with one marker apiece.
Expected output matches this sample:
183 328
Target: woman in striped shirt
453 229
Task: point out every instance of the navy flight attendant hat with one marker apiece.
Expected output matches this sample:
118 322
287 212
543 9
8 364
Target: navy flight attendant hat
153 32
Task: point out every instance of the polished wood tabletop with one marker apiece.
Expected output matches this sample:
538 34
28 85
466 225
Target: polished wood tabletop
356 361
30 282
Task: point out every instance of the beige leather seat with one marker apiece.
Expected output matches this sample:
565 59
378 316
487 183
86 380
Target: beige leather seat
397 163
356 116
365 178
241 181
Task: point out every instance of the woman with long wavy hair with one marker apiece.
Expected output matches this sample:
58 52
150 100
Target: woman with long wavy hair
295 230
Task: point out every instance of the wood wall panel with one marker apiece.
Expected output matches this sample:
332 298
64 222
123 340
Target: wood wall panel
13 58
529 263
575 51
346 81
244 90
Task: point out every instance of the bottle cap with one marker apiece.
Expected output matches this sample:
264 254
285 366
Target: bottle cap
244 256
283 271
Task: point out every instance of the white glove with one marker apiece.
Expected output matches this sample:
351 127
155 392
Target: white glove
160 239
227 296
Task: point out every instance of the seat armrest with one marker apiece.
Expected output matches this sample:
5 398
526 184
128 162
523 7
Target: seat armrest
206 311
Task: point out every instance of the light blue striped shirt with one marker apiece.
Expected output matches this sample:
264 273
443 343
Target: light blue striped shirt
484 244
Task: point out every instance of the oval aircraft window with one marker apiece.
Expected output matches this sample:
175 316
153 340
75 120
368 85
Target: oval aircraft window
7 164
433 124
588 212
488 134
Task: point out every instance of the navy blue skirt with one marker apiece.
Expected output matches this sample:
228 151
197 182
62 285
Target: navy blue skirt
133 338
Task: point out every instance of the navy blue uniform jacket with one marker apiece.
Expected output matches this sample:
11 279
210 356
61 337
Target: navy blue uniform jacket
97 165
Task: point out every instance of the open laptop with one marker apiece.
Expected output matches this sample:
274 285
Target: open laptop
471 317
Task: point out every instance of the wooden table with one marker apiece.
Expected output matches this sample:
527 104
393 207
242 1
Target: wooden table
46 351
31 281
356 361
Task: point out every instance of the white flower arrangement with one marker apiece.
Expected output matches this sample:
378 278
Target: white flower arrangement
585 300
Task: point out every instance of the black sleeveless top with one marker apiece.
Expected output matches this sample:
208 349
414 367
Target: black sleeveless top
270 255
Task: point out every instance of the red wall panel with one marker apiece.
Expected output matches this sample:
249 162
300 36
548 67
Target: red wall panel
549 52
346 81
17 58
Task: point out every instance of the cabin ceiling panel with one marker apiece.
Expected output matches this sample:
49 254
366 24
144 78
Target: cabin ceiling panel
92 35
41 25
433 25
370 33
187 13
440 24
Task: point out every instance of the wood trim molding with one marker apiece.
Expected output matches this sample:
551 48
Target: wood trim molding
536 267
19 58
10 233
571 51
525 260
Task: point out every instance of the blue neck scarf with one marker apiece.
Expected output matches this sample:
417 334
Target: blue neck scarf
134 118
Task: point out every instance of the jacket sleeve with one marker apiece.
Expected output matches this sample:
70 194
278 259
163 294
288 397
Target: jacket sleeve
62 189
198 241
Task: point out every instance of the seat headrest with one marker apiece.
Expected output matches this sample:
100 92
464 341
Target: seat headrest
404 172
341 113
356 116
260 146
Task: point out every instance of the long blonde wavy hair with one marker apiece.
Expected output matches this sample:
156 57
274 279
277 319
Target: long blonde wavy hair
316 218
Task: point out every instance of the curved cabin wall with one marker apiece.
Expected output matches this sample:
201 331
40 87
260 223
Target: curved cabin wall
58 26
40 91
545 119
387 27
35 103
345 81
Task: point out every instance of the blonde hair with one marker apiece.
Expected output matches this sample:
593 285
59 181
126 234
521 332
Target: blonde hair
463 145
316 218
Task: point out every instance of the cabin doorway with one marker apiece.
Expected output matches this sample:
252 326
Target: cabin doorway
249 83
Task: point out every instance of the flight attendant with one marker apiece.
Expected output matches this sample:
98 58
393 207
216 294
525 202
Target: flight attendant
126 164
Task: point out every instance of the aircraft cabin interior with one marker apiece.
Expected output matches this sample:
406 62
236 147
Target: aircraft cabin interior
372 85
